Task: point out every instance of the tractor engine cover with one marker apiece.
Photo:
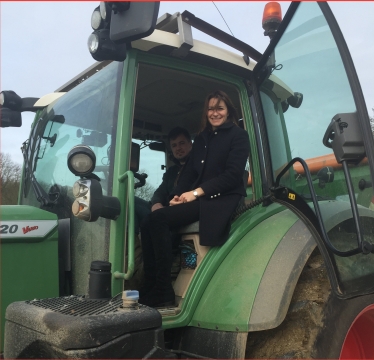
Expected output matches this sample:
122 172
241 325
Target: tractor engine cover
77 327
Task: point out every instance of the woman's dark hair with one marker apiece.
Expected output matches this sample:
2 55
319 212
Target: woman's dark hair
219 95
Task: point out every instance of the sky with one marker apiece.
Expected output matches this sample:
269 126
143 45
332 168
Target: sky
44 44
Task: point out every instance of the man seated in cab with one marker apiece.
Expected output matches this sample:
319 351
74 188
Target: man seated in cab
180 145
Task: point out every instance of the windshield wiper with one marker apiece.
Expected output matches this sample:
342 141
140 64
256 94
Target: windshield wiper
40 193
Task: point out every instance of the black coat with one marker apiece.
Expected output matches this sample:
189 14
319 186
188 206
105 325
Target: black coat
162 194
216 164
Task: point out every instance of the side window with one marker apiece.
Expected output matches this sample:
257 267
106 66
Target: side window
152 163
277 133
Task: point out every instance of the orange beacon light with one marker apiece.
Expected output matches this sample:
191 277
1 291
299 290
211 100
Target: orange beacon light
272 18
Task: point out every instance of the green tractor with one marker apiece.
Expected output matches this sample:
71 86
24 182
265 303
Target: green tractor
294 279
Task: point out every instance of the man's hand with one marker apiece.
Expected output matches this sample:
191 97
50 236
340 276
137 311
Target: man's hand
156 206
176 200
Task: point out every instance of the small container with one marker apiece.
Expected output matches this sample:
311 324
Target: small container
130 299
99 283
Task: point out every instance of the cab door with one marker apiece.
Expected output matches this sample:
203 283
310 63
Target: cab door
317 141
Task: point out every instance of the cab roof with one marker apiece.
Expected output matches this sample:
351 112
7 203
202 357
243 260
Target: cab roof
165 43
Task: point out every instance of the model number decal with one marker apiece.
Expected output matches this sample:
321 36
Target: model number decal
26 228
29 228
4 229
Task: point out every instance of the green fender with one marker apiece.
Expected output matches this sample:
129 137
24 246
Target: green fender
252 288
228 299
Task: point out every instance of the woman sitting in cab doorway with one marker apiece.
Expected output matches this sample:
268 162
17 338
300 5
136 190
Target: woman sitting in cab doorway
209 190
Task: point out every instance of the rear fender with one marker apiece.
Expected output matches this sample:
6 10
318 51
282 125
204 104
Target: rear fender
253 287
277 285
227 301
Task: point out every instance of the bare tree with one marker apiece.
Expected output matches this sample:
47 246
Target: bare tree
372 122
10 175
145 192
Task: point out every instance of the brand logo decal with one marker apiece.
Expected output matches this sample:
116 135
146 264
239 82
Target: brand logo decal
29 228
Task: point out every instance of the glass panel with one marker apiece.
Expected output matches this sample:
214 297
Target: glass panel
152 163
307 61
85 115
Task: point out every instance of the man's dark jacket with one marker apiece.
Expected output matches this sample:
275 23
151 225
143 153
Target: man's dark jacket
161 195
216 164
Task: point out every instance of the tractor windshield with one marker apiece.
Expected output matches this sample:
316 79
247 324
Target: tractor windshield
87 115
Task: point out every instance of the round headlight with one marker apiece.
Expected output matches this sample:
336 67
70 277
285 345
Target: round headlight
93 43
81 160
1 99
81 163
96 20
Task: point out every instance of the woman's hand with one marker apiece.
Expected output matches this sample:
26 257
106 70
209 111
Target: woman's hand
188 197
184 198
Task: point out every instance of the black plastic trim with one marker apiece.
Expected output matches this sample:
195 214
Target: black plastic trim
220 35
268 181
273 43
261 141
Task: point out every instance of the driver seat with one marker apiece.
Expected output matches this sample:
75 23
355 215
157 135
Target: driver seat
189 238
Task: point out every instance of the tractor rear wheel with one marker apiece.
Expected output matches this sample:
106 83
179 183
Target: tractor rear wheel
318 324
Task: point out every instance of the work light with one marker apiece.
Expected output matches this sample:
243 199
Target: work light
102 48
93 43
81 160
105 10
10 100
97 21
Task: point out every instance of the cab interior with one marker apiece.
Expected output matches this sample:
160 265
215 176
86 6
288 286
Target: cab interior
166 98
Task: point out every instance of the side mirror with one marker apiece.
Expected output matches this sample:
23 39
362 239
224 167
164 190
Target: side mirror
135 23
117 23
10 118
343 135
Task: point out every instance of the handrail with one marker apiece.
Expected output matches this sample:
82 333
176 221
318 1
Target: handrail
129 175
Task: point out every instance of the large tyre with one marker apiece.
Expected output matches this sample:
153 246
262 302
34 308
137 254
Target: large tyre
318 325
